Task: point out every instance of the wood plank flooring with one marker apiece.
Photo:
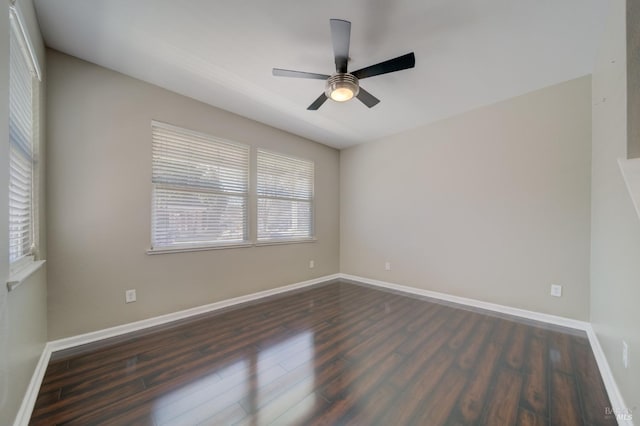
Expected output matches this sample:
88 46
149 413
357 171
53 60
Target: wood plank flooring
334 354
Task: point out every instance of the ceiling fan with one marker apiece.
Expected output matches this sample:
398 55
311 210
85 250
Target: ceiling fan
343 85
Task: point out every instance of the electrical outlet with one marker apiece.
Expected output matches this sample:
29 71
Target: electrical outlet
387 266
556 290
130 296
625 354
312 264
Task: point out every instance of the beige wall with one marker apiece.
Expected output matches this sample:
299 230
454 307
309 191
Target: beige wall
492 204
99 187
633 78
615 259
23 326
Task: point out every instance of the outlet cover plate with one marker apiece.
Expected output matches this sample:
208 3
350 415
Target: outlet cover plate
556 290
130 296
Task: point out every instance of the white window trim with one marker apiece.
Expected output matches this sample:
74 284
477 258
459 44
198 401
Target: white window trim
188 249
20 275
24 267
16 15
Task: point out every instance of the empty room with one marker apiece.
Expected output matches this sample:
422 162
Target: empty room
331 213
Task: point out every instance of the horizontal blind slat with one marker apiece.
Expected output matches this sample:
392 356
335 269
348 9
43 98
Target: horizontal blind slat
285 197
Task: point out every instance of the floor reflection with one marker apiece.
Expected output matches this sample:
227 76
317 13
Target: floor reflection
256 388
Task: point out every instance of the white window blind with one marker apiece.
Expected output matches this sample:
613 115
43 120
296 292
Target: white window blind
285 197
23 77
200 189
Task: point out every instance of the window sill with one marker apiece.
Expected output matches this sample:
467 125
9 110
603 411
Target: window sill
229 246
202 248
18 277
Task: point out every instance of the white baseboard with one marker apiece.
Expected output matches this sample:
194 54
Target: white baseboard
31 394
617 401
26 408
522 313
83 339
615 397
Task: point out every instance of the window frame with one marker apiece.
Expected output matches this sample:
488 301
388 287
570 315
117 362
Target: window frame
210 245
27 262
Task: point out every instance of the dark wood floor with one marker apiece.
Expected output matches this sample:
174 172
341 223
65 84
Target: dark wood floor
333 354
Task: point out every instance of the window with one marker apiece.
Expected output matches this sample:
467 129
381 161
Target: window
201 193
23 85
200 190
285 197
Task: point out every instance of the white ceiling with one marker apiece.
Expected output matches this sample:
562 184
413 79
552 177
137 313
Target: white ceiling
469 53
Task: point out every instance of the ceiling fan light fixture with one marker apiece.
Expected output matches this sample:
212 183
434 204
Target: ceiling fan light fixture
341 87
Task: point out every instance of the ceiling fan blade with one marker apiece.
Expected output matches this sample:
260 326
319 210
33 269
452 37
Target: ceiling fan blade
317 103
367 98
397 64
340 36
278 72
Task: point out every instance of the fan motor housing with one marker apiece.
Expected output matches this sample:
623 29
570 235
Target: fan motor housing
342 87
